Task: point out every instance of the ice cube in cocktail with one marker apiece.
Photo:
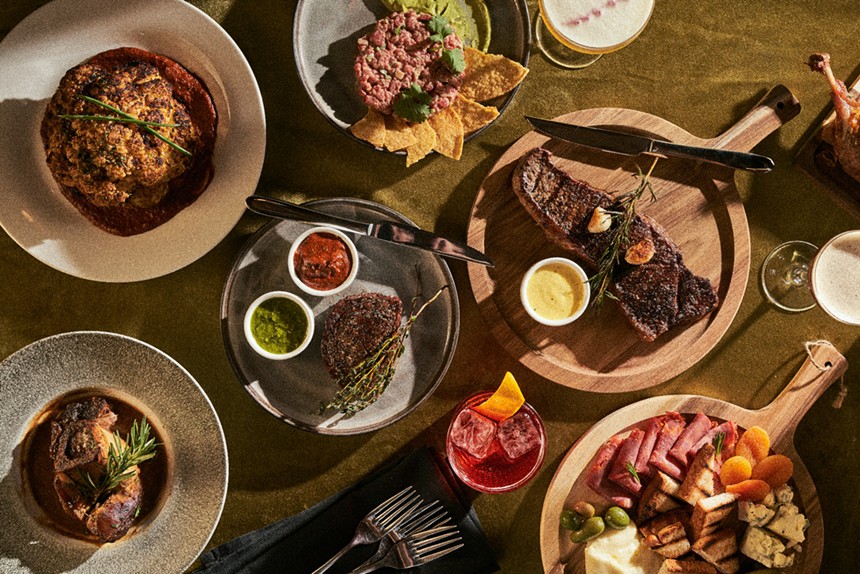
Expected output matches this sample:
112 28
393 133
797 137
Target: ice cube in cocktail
492 456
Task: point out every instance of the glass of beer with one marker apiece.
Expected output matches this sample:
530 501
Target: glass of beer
798 275
575 33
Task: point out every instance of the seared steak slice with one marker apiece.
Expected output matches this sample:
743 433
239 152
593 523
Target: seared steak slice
654 296
355 327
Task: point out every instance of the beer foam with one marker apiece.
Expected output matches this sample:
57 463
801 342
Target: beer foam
835 277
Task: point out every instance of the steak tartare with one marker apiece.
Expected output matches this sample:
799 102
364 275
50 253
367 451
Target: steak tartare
400 52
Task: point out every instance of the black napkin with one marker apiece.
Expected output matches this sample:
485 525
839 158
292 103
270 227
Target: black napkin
301 543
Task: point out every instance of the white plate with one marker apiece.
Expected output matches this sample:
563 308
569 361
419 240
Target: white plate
60 35
293 389
149 380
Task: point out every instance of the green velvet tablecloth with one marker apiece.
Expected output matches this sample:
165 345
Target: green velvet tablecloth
700 65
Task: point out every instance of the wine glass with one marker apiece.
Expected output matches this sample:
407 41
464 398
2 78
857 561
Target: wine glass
797 275
576 33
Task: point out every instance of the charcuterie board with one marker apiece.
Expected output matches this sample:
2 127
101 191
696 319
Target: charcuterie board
780 419
699 207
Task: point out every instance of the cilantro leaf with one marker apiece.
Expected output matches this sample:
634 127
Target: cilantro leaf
413 104
439 28
454 59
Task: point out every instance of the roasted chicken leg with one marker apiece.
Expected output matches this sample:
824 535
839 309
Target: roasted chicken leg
846 128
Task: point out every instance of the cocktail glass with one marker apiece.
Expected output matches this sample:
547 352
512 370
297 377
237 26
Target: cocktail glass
503 458
576 33
797 275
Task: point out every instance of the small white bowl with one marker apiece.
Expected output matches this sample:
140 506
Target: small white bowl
284 295
353 254
578 271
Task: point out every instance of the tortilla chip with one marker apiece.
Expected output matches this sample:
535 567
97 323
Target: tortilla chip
370 128
398 134
426 140
473 115
489 76
449 132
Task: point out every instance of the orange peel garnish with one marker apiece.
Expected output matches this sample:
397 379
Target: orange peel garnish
505 402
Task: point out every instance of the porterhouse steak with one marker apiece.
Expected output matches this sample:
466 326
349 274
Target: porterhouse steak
654 296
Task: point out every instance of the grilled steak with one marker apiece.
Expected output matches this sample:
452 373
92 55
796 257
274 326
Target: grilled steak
355 327
654 296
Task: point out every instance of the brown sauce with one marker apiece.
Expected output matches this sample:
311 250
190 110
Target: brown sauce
37 470
128 220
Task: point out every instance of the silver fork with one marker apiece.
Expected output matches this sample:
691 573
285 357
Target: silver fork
428 516
417 549
379 522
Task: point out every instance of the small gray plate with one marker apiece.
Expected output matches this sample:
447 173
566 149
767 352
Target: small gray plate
293 389
169 540
325 35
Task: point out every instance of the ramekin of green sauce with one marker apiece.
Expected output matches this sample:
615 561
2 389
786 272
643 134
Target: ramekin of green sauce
279 325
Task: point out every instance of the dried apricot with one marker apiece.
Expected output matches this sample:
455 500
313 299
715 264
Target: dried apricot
751 489
775 469
753 445
736 469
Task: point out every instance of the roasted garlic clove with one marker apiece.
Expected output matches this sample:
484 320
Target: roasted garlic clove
640 252
601 220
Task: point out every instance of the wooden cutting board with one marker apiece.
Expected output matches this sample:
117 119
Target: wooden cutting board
780 419
698 205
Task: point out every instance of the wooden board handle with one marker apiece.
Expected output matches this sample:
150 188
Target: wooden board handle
776 108
824 366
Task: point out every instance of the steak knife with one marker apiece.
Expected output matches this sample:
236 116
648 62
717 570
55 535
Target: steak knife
630 144
384 230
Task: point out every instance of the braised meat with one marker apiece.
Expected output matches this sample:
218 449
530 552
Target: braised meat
654 296
81 437
355 327
846 129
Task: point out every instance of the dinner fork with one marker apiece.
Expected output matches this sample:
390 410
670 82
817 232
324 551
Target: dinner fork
379 522
417 549
428 516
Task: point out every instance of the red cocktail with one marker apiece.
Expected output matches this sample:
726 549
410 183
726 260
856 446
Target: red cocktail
492 456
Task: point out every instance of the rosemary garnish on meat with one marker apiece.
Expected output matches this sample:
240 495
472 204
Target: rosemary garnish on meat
366 382
139 447
623 214
125 118
632 470
719 439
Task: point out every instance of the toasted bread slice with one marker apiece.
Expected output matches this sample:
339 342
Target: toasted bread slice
709 513
674 549
719 549
699 482
672 566
657 497
651 530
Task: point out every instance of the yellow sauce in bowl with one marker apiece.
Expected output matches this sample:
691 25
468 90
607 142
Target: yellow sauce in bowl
554 291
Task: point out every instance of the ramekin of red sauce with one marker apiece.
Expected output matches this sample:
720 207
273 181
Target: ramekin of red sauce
323 261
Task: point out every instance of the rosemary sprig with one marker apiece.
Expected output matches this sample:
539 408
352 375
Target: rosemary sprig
139 447
128 118
632 470
98 118
719 439
366 382
619 236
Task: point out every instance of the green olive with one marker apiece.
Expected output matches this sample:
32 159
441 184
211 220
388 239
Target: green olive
570 520
592 528
583 509
616 518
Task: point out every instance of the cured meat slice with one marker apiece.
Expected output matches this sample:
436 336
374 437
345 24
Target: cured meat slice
729 429
672 426
652 430
627 454
597 474
698 427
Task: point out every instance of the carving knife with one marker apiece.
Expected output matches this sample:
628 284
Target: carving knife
630 144
384 230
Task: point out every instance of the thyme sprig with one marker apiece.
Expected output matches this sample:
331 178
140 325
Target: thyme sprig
366 381
126 118
623 215
139 447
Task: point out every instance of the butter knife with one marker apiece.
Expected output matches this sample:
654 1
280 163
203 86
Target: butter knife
630 144
384 230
